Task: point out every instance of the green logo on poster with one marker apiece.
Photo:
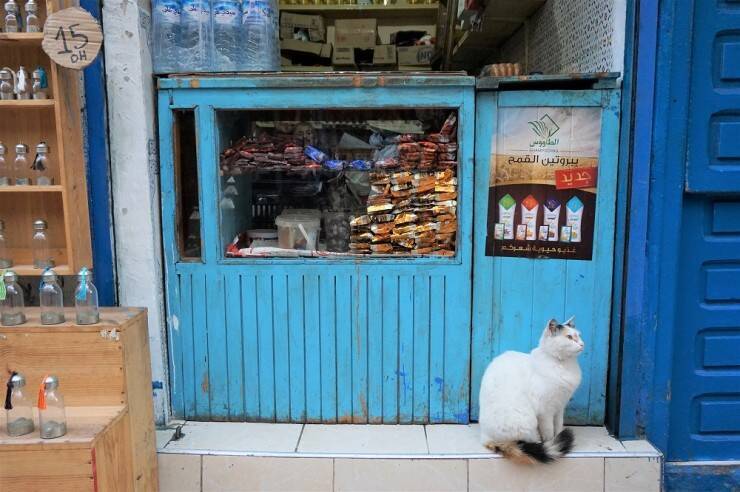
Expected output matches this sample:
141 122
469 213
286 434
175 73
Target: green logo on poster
545 128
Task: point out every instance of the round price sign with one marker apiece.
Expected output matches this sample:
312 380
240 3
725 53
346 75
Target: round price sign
72 38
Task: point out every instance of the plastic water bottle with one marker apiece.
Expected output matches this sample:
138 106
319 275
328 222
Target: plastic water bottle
261 36
167 16
195 36
227 21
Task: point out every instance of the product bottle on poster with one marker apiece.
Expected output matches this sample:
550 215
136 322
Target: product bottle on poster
18 407
227 29
86 299
506 211
5 260
40 86
4 166
40 246
195 36
166 36
13 21
574 218
20 165
51 299
40 166
7 87
52 416
261 36
23 84
530 207
12 301
32 16
552 218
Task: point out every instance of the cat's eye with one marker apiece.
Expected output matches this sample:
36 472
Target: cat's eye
570 337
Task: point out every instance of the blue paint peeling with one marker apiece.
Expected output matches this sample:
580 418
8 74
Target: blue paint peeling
440 383
157 385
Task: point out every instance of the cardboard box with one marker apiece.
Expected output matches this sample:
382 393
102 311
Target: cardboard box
415 55
306 47
380 55
313 24
355 33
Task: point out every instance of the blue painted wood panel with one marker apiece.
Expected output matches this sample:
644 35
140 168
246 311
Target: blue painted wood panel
316 340
513 298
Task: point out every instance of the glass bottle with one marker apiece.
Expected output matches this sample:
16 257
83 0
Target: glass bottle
12 17
40 86
20 165
32 16
4 168
86 299
51 299
5 260
12 303
18 407
52 416
40 166
40 246
22 83
7 87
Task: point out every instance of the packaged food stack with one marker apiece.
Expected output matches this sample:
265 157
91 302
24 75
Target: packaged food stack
261 152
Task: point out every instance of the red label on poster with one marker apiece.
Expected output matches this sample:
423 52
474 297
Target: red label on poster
584 177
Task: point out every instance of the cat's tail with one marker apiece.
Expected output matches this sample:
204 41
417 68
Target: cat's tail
539 452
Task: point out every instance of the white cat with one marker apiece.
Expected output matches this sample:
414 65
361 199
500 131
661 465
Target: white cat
523 397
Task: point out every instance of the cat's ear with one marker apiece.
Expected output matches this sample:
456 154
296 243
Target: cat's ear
553 326
571 322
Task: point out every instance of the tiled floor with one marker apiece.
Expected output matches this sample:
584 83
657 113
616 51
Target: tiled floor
294 457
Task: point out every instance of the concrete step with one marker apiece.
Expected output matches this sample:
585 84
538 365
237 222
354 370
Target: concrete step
293 457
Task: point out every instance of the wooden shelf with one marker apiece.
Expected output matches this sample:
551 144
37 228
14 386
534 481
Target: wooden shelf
30 271
27 103
31 189
427 10
21 38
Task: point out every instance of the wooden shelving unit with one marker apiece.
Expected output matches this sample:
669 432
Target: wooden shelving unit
58 122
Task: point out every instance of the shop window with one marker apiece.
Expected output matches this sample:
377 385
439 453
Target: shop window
338 183
186 174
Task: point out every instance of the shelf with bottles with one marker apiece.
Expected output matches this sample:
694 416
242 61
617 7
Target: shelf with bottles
22 17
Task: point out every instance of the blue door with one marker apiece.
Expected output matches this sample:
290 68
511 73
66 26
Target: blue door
705 384
514 297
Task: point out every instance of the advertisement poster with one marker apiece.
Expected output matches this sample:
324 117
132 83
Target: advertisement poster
543 182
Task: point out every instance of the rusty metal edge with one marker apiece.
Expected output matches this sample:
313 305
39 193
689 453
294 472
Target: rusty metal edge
600 80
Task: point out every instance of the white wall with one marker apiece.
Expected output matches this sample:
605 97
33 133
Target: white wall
135 176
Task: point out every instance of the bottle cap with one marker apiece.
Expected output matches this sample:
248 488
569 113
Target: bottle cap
42 147
5 75
39 225
51 382
10 276
2 149
49 275
21 149
84 274
18 380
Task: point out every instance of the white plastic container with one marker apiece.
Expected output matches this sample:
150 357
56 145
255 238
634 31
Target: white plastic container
298 231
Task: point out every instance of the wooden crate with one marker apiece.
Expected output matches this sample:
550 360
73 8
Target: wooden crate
58 121
105 377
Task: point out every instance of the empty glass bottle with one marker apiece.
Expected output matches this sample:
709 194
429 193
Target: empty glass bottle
4 167
40 86
40 246
20 165
40 166
52 416
5 260
18 407
12 17
23 83
32 16
12 302
51 299
86 299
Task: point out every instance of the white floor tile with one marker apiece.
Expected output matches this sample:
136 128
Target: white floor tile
454 439
570 474
632 475
163 437
227 436
371 475
244 473
361 439
179 472
639 446
594 440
